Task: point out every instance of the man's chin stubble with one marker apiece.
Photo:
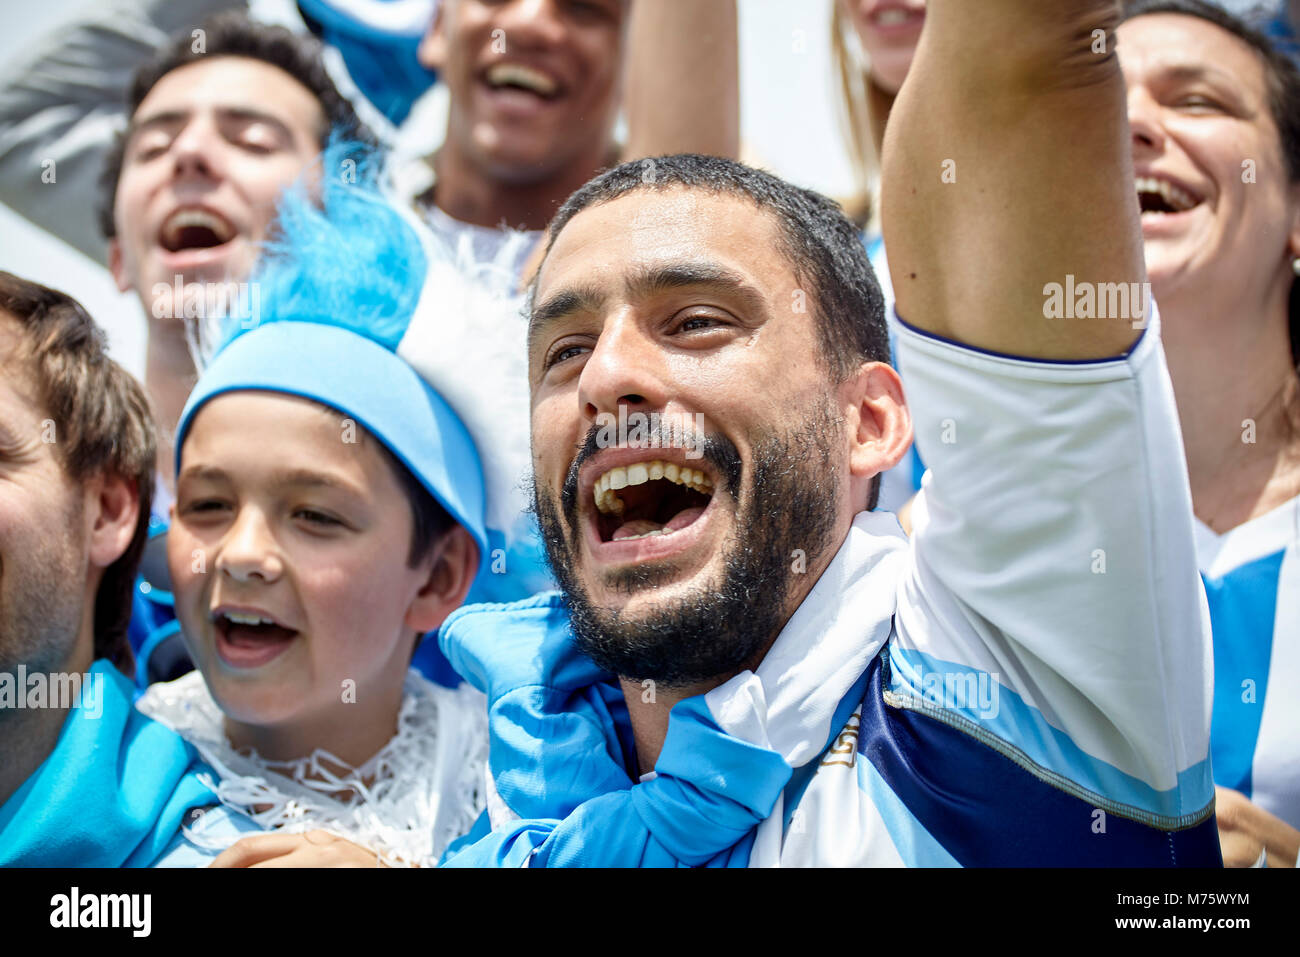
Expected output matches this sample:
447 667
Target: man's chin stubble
702 632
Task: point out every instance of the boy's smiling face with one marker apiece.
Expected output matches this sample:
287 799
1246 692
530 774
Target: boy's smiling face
289 552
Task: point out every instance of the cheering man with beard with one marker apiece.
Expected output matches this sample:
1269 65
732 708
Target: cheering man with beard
747 665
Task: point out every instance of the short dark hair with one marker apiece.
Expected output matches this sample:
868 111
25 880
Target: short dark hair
430 520
103 420
823 247
233 34
1282 77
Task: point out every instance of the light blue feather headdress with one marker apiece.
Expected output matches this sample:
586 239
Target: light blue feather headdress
360 307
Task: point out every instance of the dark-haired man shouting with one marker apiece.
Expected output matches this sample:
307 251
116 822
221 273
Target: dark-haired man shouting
747 666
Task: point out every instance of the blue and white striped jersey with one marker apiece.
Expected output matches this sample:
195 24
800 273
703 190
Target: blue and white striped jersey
1027 681
1252 579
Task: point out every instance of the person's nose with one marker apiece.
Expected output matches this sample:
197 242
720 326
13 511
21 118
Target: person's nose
625 367
531 24
1144 120
250 550
196 151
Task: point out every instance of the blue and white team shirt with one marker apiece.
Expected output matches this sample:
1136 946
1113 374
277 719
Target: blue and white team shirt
1026 681
1252 580
117 790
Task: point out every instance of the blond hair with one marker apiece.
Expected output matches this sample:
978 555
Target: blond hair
855 119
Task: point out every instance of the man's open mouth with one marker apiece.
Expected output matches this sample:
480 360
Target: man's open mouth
646 499
517 76
1157 195
193 228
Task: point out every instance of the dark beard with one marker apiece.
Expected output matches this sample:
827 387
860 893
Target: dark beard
791 504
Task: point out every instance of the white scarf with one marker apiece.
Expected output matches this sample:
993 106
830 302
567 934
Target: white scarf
789 704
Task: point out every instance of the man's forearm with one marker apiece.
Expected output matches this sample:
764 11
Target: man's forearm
682 80
1007 170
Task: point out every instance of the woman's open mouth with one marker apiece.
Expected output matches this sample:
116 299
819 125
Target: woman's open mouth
1159 196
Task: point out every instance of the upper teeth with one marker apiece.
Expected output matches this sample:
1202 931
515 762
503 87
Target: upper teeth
1179 199
184 218
641 472
516 74
892 17
240 619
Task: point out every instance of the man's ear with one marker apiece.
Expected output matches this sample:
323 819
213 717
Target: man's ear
432 52
878 423
1294 248
112 511
117 267
455 562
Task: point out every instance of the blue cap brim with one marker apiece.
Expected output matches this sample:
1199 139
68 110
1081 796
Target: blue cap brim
366 382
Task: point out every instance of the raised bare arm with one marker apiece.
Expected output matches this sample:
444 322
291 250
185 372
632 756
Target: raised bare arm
1007 169
683 88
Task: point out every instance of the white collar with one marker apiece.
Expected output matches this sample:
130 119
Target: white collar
1263 535
830 640
422 790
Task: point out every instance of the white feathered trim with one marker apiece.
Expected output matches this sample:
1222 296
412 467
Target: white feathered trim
468 339
407 803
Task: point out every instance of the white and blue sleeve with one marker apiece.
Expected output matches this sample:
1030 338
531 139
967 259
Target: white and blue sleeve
1052 607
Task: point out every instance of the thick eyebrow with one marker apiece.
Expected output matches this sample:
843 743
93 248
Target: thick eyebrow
567 302
642 284
203 473
1194 71
165 118
314 479
647 282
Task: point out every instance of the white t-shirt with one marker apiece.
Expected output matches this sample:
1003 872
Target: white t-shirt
412 178
1048 610
502 246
